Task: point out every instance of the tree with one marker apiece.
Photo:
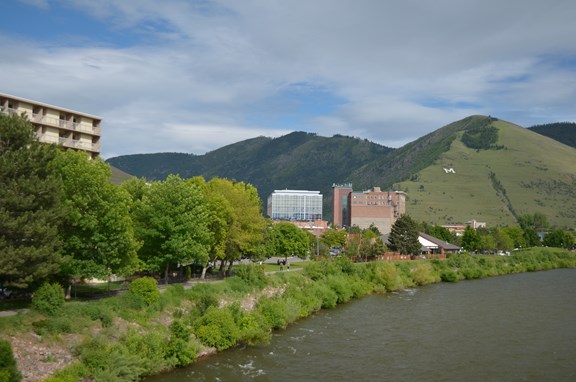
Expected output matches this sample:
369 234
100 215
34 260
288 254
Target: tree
172 222
404 236
288 240
98 231
30 206
333 237
246 225
558 238
440 232
516 235
470 240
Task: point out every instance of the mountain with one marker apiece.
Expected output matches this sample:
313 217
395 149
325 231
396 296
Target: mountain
564 132
521 172
495 170
297 161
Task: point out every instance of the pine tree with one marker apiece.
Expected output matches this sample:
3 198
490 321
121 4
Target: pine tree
404 236
30 209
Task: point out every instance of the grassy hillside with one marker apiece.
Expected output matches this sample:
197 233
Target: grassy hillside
118 176
530 173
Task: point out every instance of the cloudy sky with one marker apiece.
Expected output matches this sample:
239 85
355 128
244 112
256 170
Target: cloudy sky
195 75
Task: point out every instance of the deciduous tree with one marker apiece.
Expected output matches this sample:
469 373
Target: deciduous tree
172 222
98 231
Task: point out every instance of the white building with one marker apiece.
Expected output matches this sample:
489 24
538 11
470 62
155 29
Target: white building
295 205
57 125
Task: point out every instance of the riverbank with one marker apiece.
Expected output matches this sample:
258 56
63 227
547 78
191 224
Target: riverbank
123 339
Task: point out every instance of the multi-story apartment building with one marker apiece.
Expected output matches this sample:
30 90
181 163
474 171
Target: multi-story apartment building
363 209
54 124
295 205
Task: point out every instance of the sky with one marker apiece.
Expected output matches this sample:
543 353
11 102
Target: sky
192 76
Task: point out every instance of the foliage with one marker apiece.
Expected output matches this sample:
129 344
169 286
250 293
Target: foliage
404 236
266 162
8 368
481 137
564 132
286 239
216 328
440 232
146 288
253 274
30 207
559 239
171 221
470 240
97 232
48 299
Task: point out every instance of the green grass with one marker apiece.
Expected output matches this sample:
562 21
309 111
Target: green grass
532 174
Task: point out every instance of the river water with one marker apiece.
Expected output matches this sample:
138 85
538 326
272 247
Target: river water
511 328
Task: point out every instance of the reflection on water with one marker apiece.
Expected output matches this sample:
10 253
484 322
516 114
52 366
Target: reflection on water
510 328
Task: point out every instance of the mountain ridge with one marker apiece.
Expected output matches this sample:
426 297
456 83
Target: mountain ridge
302 160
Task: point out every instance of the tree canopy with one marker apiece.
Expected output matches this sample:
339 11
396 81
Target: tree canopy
30 206
97 231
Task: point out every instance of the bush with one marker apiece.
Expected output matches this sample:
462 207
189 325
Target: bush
48 299
274 311
146 288
151 347
8 368
217 328
252 274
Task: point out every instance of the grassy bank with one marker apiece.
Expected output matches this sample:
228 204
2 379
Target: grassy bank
129 336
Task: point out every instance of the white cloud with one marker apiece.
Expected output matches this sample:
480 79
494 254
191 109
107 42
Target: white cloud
398 69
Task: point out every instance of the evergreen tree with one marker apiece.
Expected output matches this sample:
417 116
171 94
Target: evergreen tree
30 206
404 236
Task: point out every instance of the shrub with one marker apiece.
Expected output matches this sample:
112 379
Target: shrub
424 273
48 299
151 347
73 373
110 362
254 329
203 296
340 285
217 328
323 292
448 275
8 367
252 274
275 312
180 352
146 288
53 325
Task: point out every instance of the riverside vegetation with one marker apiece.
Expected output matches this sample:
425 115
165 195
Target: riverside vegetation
144 332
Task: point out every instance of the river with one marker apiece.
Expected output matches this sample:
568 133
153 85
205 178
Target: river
510 328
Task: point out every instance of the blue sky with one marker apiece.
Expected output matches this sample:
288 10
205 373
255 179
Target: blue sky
195 75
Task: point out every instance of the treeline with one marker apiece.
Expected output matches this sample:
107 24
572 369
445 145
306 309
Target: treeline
171 329
61 219
533 230
564 132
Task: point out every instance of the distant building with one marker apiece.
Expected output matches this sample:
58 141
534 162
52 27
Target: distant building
341 204
54 124
295 205
362 209
458 229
